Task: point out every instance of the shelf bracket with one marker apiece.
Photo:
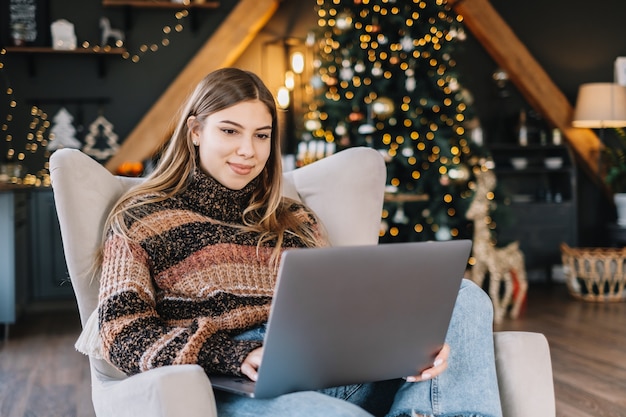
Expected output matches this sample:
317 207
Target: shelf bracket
128 18
193 17
32 68
101 66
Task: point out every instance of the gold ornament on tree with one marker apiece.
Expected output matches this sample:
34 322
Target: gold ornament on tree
343 21
457 174
383 107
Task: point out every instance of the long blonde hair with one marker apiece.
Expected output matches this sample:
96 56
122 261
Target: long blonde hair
267 213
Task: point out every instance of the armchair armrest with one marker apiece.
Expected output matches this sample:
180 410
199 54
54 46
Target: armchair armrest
170 391
524 372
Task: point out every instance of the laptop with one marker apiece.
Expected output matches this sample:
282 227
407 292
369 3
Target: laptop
355 314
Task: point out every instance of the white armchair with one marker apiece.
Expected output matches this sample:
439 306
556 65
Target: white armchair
346 191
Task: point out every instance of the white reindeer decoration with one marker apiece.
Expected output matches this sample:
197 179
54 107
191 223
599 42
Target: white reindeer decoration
501 263
108 32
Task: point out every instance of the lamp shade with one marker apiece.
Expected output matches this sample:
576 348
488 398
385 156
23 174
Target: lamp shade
600 105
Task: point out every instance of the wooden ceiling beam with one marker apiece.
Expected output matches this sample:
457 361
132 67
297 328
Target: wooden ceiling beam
222 49
532 81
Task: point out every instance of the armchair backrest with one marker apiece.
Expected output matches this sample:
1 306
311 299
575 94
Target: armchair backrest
345 190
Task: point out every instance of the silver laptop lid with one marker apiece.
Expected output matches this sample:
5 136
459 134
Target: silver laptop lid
345 315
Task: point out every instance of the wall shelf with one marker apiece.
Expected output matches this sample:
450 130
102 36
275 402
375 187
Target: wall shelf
50 50
405 198
100 52
156 4
543 201
192 6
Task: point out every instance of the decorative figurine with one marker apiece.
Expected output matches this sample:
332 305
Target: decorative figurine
63 132
101 141
63 35
504 265
108 33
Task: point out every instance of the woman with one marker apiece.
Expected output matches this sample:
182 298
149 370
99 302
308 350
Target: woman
190 259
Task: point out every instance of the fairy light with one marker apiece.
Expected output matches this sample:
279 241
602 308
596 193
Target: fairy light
417 53
12 103
34 143
35 139
165 41
144 48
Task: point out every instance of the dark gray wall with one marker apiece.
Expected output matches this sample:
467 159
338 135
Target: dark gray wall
575 41
128 88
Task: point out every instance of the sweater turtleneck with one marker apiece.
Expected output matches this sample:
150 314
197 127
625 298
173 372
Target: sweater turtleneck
209 197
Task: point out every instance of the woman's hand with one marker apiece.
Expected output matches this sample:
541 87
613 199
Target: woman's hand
440 365
250 365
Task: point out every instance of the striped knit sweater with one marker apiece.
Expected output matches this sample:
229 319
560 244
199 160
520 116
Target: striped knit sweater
188 284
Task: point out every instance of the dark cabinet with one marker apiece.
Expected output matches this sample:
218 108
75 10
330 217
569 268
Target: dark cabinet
50 278
539 182
31 252
14 260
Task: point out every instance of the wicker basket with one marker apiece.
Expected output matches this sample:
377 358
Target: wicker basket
595 274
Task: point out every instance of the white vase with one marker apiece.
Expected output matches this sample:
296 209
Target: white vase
620 205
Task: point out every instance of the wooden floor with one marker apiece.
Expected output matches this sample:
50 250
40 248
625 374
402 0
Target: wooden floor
588 348
42 376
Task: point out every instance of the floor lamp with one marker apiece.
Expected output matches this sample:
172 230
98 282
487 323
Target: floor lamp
600 106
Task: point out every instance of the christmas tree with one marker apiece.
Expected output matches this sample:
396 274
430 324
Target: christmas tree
385 78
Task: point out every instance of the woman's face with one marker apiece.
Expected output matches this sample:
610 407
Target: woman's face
234 143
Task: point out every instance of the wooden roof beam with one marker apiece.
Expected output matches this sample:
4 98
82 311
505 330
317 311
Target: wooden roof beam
222 49
529 77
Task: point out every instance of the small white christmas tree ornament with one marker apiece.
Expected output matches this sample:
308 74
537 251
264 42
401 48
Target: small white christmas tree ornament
101 142
63 132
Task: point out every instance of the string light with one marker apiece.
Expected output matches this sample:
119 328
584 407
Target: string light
379 56
12 104
145 47
35 140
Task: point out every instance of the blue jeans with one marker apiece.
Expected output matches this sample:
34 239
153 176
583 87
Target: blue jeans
468 388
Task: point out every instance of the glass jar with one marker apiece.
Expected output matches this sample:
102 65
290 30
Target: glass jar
18 33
